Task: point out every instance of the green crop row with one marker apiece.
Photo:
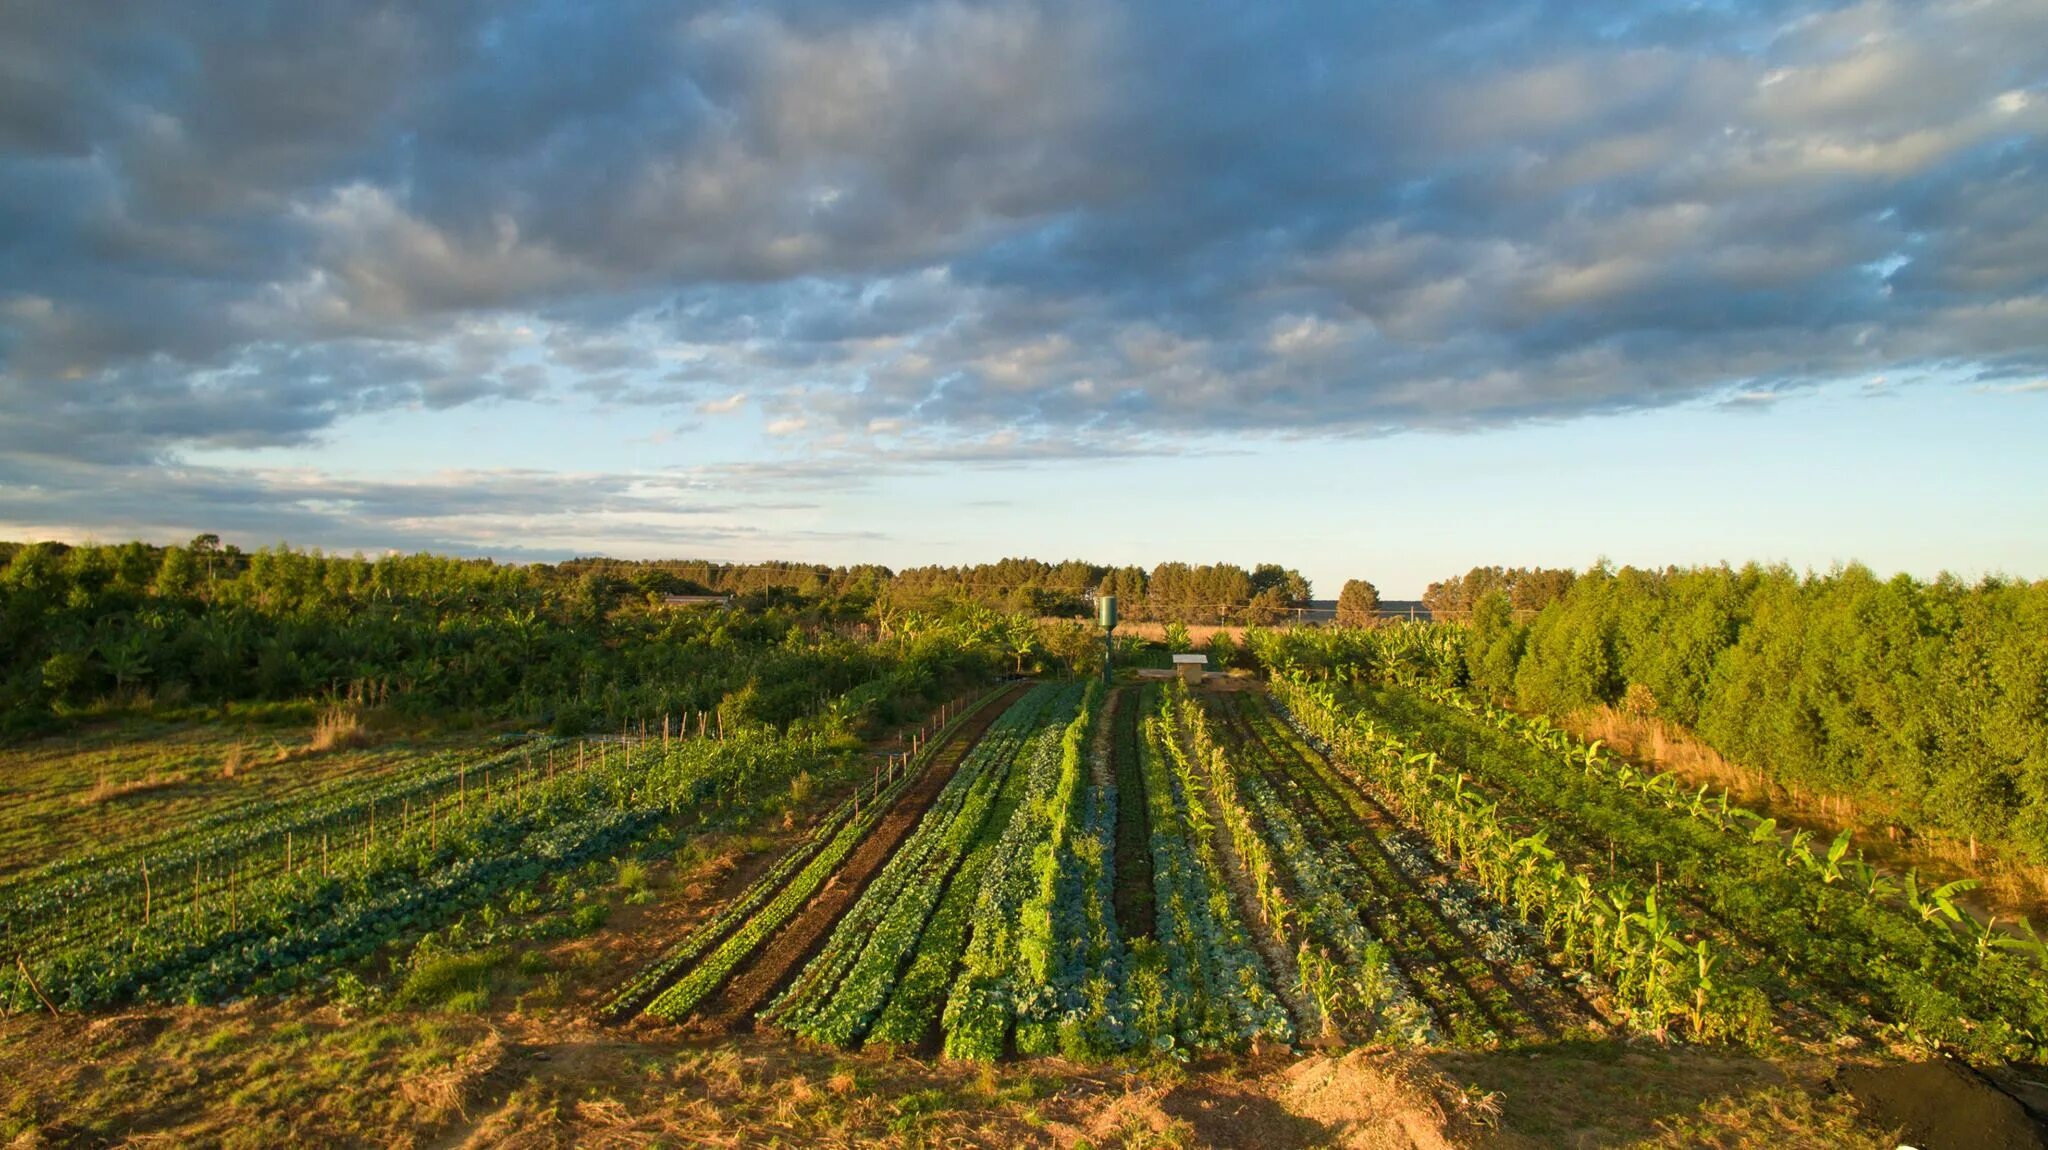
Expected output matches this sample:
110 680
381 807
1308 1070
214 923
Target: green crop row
992 992
1201 987
652 979
1344 968
1664 972
845 987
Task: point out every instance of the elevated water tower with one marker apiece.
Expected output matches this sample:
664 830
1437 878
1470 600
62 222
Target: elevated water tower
1105 616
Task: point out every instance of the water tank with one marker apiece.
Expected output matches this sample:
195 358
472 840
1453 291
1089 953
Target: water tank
1105 612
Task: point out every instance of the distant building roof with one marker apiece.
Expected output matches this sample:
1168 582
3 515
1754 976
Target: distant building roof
695 600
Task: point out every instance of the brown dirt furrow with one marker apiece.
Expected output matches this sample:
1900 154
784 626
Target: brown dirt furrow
784 954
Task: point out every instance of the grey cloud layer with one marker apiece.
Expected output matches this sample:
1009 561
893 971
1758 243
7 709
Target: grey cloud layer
229 223
507 514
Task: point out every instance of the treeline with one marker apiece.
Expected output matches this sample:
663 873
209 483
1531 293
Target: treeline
576 644
1928 702
1169 592
1527 589
766 582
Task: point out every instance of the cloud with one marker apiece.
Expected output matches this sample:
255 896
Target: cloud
510 514
1054 221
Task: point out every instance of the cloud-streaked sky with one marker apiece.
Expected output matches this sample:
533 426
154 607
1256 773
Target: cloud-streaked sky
1369 289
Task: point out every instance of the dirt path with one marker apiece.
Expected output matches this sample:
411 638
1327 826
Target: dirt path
1101 769
784 954
1131 853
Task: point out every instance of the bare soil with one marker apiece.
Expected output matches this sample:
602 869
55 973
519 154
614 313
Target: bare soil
1941 1104
1131 857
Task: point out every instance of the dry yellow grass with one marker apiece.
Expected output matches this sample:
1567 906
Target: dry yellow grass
339 727
106 790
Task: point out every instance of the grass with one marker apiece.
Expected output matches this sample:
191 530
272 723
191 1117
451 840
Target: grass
458 982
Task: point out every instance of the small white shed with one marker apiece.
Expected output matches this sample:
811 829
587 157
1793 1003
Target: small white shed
1191 667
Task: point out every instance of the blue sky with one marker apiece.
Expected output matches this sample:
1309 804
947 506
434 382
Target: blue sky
1382 291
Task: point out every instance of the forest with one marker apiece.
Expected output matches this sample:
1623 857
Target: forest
568 643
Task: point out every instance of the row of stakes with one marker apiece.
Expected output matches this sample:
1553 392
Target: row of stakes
886 775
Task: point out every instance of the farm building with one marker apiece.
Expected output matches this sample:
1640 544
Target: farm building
696 600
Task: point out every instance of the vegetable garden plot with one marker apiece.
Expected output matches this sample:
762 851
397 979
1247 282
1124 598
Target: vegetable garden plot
296 922
846 986
757 948
1500 957
831 838
98 896
1757 924
1470 1002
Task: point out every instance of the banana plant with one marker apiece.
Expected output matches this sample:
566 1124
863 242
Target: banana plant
1698 805
1588 757
1765 831
1656 938
1831 871
1987 936
1800 850
2030 944
1698 1015
1936 903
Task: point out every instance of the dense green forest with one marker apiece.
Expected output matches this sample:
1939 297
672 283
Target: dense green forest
1170 592
574 644
1927 699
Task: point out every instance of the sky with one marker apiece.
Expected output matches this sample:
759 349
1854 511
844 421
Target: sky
1375 291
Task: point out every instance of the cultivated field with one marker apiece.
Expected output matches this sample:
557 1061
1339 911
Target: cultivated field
1375 914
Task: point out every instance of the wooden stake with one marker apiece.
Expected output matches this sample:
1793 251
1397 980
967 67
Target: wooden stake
145 892
32 985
